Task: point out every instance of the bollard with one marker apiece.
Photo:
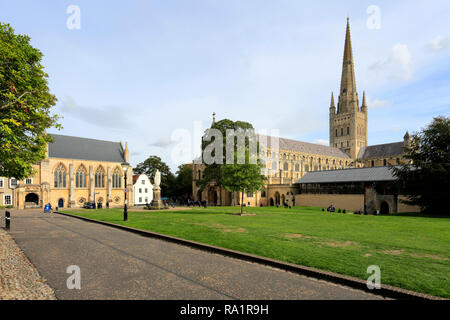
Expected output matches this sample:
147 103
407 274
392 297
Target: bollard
7 220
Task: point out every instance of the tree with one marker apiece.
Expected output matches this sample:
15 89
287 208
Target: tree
425 179
25 105
243 178
183 181
149 167
213 173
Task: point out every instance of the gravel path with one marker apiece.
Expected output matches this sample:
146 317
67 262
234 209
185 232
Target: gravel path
19 279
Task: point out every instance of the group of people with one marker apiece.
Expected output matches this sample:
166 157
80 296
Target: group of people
191 203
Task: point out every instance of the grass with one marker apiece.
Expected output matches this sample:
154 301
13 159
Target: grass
413 252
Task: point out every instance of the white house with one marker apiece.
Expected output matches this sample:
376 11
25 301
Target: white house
143 190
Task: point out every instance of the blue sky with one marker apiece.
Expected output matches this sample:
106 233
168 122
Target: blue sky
137 71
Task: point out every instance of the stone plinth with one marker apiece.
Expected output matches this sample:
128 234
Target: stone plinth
157 203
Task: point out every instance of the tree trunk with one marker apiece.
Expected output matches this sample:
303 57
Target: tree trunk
242 202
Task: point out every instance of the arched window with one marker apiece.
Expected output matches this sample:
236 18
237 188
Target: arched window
60 177
297 167
348 130
117 179
284 156
80 177
286 166
100 178
336 133
384 162
274 165
342 131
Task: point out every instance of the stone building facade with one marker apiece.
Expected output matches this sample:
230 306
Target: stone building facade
75 171
291 160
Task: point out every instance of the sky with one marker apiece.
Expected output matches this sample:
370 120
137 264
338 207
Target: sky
151 72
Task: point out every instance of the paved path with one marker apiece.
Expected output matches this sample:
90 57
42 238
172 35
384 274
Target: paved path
116 264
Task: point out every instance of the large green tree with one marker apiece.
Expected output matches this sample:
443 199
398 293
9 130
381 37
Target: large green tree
238 176
425 179
243 178
149 167
183 181
25 105
213 173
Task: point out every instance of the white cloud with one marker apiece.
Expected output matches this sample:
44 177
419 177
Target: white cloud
322 142
439 43
399 63
375 104
162 143
108 116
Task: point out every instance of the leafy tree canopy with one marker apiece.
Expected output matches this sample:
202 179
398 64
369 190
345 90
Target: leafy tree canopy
183 181
426 178
243 177
214 172
149 167
25 105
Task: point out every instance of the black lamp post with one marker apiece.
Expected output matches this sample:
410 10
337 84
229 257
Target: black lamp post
125 167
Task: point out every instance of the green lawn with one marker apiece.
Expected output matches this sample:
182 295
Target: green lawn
413 252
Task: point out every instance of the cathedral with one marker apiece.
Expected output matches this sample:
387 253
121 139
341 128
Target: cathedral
74 172
288 163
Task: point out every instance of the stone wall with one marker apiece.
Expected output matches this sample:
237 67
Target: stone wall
353 202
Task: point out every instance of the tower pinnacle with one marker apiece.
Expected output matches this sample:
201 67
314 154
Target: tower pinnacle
348 96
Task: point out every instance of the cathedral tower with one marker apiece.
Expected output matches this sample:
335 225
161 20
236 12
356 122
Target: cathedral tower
348 123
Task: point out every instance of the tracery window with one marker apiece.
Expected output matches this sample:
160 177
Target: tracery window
80 177
116 179
100 178
60 177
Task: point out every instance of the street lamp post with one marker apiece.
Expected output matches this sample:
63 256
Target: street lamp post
125 167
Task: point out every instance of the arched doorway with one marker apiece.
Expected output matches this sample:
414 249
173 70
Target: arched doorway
384 208
283 200
277 198
31 199
212 197
61 203
272 203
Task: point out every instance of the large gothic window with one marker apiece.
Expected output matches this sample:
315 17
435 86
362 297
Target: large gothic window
116 179
286 167
60 177
80 177
100 178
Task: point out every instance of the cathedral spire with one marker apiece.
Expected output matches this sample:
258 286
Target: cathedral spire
348 96
332 105
364 103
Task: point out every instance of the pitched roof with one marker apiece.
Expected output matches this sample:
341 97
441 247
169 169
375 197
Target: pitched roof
382 150
300 146
67 147
349 175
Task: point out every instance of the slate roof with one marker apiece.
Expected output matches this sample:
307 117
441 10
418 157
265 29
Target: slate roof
371 174
382 151
67 147
300 146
